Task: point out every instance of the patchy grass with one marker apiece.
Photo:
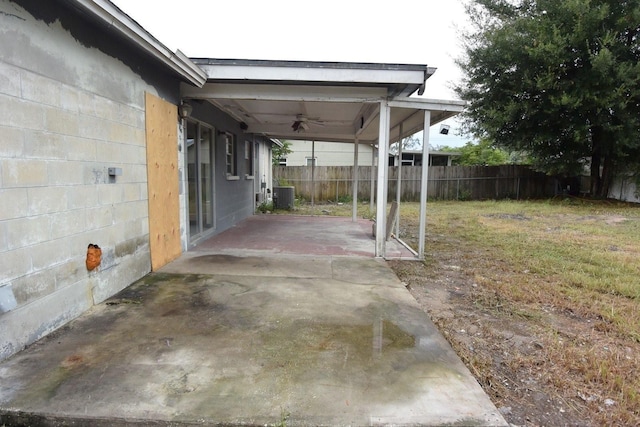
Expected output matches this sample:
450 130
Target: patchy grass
571 269
582 256
568 269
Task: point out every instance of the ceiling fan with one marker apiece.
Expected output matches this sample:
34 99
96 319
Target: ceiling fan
302 122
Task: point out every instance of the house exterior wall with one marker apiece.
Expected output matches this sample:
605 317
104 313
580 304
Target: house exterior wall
328 153
234 196
72 108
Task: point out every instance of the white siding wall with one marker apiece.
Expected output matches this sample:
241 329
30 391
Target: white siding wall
328 153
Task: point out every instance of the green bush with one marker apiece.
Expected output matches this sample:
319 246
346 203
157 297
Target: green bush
265 207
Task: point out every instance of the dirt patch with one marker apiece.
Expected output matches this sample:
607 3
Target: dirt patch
504 346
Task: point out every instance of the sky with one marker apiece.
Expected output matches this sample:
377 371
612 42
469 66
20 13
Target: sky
398 31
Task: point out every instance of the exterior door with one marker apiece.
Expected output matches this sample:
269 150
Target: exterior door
200 162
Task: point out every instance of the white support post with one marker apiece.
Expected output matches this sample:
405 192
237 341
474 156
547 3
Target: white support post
424 182
399 184
372 191
383 167
355 181
313 172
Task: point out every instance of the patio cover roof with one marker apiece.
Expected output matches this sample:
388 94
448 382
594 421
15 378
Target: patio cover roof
329 101
338 101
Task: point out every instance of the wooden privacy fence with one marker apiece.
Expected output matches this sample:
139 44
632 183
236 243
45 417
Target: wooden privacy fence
335 183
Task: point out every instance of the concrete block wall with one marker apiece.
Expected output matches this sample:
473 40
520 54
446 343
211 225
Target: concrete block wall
69 112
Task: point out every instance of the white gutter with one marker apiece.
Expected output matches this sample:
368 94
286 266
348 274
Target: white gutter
121 22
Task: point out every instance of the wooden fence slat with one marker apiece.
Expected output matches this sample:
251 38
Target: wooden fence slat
445 182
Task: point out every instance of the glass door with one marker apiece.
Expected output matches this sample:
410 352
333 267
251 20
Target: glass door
206 176
200 149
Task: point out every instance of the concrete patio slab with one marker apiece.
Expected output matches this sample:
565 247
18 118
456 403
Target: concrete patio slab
246 341
302 235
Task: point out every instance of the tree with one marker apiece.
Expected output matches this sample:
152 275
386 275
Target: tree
410 143
280 152
481 154
559 80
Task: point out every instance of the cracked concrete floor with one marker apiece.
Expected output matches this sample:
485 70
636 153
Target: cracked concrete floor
224 339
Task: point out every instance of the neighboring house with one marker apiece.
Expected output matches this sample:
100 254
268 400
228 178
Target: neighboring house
414 158
340 154
326 154
93 151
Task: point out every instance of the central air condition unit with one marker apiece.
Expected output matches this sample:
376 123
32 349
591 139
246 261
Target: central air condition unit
283 197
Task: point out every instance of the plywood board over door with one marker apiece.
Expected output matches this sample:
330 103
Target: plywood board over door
162 180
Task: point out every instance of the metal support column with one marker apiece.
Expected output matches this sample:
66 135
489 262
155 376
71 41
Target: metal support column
313 172
383 167
355 181
372 190
424 182
399 184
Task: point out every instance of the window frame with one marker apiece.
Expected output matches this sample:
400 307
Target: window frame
230 151
249 159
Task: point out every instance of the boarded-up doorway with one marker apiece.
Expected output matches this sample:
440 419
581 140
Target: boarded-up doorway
162 180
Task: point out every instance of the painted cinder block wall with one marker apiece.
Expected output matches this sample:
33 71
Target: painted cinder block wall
72 102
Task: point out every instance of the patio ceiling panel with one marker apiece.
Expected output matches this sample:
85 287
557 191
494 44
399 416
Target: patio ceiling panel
337 101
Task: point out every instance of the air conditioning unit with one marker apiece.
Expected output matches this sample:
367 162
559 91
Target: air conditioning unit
283 197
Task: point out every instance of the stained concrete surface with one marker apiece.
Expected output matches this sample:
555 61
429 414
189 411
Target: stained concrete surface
264 339
302 235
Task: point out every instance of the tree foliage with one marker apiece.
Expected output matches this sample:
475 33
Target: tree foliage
280 152
410 143
559 80
481 154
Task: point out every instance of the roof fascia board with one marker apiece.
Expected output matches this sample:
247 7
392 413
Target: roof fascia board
122 23
285 93
428 104
309 74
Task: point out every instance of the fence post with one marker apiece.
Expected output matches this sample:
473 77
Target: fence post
527 183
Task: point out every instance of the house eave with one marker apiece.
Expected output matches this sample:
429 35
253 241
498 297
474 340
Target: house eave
121 23
400 80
